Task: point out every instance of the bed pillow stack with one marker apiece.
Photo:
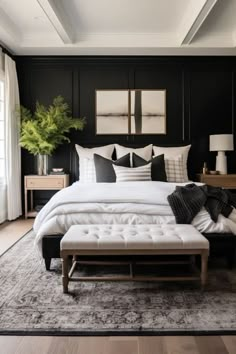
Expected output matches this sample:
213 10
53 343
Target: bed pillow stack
175 162
158 172
105 172
134 173
87 173
168 164
145 152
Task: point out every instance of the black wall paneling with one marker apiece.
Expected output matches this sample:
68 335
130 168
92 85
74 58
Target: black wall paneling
99 77
200 98
211 111
165 76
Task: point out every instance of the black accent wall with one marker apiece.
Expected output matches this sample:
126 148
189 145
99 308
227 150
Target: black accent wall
201 98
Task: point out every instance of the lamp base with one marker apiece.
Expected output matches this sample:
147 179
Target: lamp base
221 163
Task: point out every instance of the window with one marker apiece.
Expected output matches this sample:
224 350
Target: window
2 131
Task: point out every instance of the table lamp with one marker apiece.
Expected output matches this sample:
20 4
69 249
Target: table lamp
221 143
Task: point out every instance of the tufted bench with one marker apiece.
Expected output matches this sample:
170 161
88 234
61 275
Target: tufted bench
163 239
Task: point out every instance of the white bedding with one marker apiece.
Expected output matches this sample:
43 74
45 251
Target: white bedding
121 203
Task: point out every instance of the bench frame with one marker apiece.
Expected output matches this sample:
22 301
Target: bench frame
67 274
221 245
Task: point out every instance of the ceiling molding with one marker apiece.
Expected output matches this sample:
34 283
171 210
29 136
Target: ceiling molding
119 51
216 40
58 19
85 40
126 40
194 20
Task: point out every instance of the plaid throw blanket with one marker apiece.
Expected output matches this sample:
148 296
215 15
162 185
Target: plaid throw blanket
187 201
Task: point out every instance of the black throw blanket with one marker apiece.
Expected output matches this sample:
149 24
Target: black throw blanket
187 201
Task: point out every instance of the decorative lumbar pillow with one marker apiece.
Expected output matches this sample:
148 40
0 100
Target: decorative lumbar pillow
173 152
128 174
158 171
145 152
104 167
174 169
87 172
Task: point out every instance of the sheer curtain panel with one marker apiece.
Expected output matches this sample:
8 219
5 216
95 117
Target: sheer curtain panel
13 152
3 196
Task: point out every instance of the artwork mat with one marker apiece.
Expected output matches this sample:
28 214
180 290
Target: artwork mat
163 91
96 109
129 91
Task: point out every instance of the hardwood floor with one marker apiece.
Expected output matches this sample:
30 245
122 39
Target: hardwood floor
118 345
9 234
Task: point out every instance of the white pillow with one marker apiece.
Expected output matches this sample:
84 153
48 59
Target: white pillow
174 169
173 152
128 174
87 173
145 152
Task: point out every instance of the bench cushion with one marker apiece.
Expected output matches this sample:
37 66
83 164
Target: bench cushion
133 237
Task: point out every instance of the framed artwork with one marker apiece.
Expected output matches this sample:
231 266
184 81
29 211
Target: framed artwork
112 112
130 112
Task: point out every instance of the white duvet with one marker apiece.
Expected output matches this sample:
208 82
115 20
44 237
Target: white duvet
116 203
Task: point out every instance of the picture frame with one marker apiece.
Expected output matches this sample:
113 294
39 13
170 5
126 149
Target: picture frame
130 112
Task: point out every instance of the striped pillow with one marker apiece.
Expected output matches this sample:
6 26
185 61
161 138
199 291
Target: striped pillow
127 174
174 169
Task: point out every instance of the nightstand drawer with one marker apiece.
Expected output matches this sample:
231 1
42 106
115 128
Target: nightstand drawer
224 181
36 182
44 182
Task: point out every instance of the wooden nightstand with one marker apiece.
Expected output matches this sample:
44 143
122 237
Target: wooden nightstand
49 182
224 181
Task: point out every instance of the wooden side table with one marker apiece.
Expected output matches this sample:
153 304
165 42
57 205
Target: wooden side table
224 181
35 182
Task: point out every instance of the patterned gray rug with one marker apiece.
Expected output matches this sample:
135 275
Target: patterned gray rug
32 302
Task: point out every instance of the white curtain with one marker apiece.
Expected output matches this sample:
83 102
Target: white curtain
13 152
3 196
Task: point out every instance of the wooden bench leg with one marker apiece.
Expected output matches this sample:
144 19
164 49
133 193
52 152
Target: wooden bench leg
204 264
65 279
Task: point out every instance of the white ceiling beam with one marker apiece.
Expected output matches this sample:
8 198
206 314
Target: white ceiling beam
58 19
195 17
9 32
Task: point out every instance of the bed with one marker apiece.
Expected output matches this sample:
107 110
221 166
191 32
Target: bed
125 203
120 203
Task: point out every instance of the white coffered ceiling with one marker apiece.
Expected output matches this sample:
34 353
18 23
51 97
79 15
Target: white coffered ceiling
139 27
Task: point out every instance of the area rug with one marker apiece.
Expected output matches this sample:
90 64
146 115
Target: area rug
32 302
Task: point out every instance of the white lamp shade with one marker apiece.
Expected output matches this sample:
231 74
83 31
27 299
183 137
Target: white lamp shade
221 142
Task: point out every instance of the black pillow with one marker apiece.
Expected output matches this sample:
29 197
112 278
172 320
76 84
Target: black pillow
158 166
104 167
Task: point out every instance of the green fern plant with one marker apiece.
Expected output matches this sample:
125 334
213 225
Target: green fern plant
46 128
